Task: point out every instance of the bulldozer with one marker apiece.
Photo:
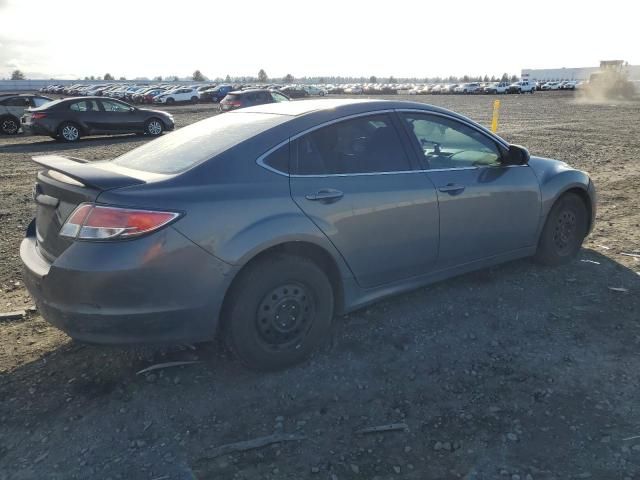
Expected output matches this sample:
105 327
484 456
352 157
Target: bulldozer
612 81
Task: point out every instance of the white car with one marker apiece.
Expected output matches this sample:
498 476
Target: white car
523 86
551 86
312 90
497 87
467 88
355 90
178 95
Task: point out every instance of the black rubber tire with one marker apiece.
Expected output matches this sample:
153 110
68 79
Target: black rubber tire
243 312
170 100
194 99
61 135
556 246
9 125
148 130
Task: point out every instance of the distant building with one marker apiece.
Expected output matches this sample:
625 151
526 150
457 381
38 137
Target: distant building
579 73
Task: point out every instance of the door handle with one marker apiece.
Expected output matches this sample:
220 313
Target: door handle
326 196
452 188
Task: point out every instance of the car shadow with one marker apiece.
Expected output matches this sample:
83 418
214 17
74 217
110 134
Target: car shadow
461 358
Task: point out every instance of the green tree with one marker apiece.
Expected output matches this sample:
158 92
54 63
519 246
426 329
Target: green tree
262 76
158 78
373 79
392 79
227 79
198 76
17 75
288 78
108 77
465 78
514 78
505 77
122 78
485 79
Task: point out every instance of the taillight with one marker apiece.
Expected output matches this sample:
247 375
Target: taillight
95 222
38 115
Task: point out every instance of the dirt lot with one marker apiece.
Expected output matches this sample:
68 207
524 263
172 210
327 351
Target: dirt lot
518 372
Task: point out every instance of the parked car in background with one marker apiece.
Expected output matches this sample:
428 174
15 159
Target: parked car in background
314 91
13 106
147 96
293 91
568 85
496 87
248 98
71 118
178 95
467 88
449 88
132 250
551 86
216 94
523 86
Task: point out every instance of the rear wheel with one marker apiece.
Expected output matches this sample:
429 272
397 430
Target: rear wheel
69 132
170 100
194 99
279 312
563 232
9 125
153 127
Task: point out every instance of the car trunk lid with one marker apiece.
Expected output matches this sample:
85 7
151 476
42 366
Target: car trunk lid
64 184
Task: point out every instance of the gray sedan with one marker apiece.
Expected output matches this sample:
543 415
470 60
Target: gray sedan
264 223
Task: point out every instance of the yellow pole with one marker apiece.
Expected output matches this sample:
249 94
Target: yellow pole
496 114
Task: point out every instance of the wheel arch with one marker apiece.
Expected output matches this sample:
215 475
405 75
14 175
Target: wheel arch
304 249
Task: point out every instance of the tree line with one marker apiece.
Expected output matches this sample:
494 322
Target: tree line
262 77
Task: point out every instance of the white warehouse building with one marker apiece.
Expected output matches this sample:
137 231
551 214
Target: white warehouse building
578 74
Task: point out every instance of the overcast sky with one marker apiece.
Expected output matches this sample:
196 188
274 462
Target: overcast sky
406 38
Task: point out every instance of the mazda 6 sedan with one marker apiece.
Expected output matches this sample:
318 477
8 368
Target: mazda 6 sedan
71 118
264 223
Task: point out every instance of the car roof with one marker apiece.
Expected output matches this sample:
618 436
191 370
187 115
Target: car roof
341 107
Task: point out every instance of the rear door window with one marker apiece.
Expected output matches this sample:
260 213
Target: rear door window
85 106
361 145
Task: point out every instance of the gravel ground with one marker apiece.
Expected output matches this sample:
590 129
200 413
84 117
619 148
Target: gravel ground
516 372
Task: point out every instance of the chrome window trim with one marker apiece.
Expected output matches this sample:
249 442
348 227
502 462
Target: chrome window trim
261 159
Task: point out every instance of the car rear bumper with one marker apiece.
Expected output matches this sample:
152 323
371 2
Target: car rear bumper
36 129
157 289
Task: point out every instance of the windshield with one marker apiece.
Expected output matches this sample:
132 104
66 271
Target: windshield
189 146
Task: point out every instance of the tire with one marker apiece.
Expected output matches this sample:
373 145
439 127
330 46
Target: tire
194 99
563 232
9 125
252 327
170 100
153 127
69 132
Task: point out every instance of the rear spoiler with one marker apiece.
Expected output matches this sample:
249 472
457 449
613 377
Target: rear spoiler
86 173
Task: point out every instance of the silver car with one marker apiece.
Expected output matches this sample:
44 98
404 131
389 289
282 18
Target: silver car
12 107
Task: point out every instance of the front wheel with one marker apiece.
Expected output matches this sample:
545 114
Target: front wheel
170 100
194 99
563 232
153 127
278 313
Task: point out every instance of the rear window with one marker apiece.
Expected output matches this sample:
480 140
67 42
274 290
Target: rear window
189 146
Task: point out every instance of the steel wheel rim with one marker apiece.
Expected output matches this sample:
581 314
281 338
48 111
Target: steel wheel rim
9 126
565 231
154 128
70 132
284 316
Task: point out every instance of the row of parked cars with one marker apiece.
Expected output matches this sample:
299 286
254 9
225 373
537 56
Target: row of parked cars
169 93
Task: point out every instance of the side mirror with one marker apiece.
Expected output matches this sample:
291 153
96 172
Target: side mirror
516 155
